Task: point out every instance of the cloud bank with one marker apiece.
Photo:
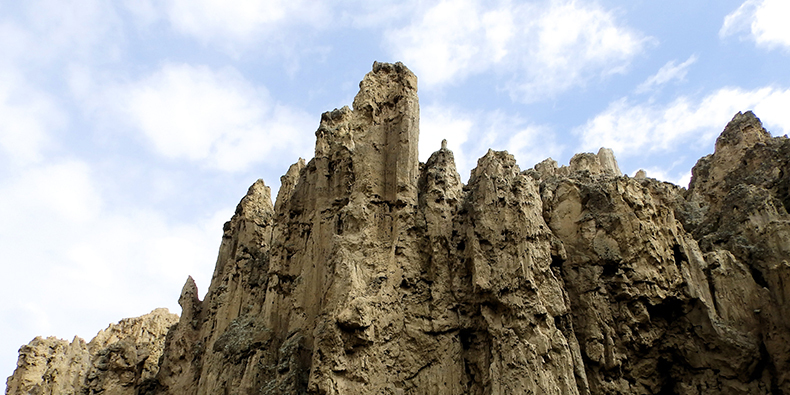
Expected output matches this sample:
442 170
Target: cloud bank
544 48
763 21
635 128
213 117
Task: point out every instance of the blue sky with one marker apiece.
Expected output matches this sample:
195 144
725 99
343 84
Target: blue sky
129 130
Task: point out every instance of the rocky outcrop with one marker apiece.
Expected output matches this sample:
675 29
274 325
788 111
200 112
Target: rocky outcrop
376 274
118 360
50 366
737 209
644 295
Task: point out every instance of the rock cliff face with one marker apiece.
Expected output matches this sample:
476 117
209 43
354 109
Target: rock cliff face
376 274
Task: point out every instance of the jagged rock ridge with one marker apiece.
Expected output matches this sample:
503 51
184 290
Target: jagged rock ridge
118 360
376 274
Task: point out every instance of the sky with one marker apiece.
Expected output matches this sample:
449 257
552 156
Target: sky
130 129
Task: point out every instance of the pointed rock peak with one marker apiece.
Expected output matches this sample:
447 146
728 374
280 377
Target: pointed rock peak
257 202
378 139
444 159
440 170
334 132
596 164
189 295
296 167
441 157
292 174
547 168
161 311
338 116
744 130
495 163
259 188
146 327
288 183
608 162
387 83
585 161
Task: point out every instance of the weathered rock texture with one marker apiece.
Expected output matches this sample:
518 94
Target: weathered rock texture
376 274
118 360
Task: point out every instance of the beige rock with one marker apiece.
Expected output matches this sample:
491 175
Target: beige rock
126 355
119 360
376 274
50 366
608 162
737 208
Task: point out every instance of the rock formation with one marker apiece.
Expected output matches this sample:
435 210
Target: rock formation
376 274
118 360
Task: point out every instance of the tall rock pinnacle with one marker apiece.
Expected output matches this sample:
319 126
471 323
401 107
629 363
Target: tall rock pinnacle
376 274
381 135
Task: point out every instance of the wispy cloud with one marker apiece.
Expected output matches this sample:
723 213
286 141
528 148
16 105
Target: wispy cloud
665 74
234 26
463 40
470 134
438 123
29 117
681 178
75 251
764 21
632 129
529 143
46 31
214 117
547 48
68 252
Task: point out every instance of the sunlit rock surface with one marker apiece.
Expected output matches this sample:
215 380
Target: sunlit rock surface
376 274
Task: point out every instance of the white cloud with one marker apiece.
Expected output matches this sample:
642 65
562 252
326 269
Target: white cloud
29 117
683 180
764 20
634 129
470 134
548 48
665 74
231 23
463 39
38 39
375 14
40 32
60 191
236 19
77 27
533 144
439 123
214 117
72 262
678 178
529 143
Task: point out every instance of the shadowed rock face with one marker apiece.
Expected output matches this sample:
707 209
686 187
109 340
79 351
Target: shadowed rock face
376 274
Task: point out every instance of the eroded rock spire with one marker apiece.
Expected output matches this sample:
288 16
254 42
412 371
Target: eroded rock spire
375 274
